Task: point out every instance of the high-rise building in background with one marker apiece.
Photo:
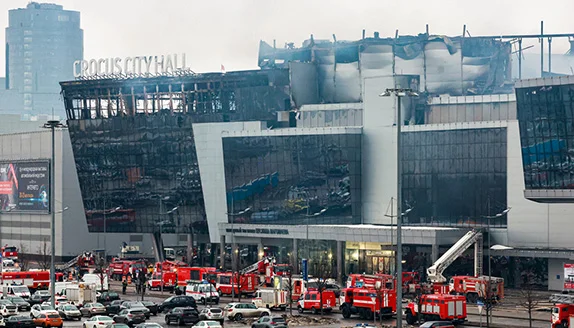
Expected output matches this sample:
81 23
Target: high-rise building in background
42 42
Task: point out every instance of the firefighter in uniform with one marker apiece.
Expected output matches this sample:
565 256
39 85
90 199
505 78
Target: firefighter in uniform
124 284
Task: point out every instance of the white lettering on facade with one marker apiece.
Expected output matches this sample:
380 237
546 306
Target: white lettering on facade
141 65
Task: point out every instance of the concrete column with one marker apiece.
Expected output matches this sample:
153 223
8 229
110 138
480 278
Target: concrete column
295 257
222 252
340 262
260 250
434 252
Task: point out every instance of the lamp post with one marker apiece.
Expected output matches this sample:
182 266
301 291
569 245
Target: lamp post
489 290
234 252
161 224
399 93
52 125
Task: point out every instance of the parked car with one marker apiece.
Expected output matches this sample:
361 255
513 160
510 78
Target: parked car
49 318
149 325
212 314
91 309
182 316
238 311
37 308
37 298
2 323
137 305
270 322
69 312
114 307
177 301
20 321
442 324
20 303
117 325
8 308
130 316
151 306
58 300
107 297
98 321
209 323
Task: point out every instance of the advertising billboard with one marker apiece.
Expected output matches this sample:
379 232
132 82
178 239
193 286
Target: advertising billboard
568 276
25 186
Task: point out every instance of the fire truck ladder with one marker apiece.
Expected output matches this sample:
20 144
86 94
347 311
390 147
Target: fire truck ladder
253 267
435 272
562 298
72 262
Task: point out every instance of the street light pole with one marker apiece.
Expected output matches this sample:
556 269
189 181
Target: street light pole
488 303
52 125
399 93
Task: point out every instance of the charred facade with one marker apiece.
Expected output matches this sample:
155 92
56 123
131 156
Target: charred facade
134 146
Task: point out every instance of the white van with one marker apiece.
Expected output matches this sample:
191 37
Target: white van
202 292
94 279
16 290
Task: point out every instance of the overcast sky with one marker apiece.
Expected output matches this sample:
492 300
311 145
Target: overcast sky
215 32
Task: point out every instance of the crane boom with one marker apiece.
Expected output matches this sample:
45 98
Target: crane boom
435 271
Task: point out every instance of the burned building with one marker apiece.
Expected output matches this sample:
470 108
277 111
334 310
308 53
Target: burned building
334 70
133 142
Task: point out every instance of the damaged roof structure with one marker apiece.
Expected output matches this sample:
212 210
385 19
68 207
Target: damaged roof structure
333 70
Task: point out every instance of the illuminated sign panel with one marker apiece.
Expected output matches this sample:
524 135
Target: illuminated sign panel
140 65
25 186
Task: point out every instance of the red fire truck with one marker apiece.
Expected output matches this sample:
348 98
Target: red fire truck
312 300
119 268
367 302
371 281
33 279
170 266
169 280
437 307
412 284
477 287
562 310
248 283
9 252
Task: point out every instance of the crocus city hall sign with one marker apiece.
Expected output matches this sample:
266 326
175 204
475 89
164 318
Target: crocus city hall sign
140 66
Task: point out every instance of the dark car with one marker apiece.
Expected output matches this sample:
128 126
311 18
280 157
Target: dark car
20 321
270 322
130 316
114 307
177 301
182 315
108 297
38 299
20 303
442 324
136 305
151 306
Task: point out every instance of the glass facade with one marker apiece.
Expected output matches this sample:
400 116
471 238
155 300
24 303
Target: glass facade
295 179
546 119
454 177
138 174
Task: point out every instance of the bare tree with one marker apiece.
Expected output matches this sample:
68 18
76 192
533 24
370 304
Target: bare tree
289 287
44 255
100 270
23 257
324 273
529 300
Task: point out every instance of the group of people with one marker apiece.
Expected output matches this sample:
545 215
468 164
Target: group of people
139 278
